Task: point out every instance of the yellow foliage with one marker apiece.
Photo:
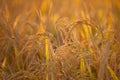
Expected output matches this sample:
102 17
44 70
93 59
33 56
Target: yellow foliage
112 73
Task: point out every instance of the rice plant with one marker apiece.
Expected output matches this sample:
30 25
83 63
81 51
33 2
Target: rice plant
59 40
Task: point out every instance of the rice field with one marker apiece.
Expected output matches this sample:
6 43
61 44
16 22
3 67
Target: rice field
59 39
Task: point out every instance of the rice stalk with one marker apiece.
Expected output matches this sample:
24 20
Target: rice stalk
82 65
112 73
4 63
47 49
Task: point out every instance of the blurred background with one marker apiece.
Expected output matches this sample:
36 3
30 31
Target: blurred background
51 10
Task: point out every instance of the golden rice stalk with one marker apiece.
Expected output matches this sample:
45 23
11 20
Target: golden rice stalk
4 62
90 72
41 29
112 73
47 49
44 6
108 29
87 31
100 14
47 55
16 22
82 64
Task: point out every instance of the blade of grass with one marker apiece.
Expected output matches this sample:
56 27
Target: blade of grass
112 73
4 62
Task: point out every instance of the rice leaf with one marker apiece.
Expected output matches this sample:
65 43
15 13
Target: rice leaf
112 73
